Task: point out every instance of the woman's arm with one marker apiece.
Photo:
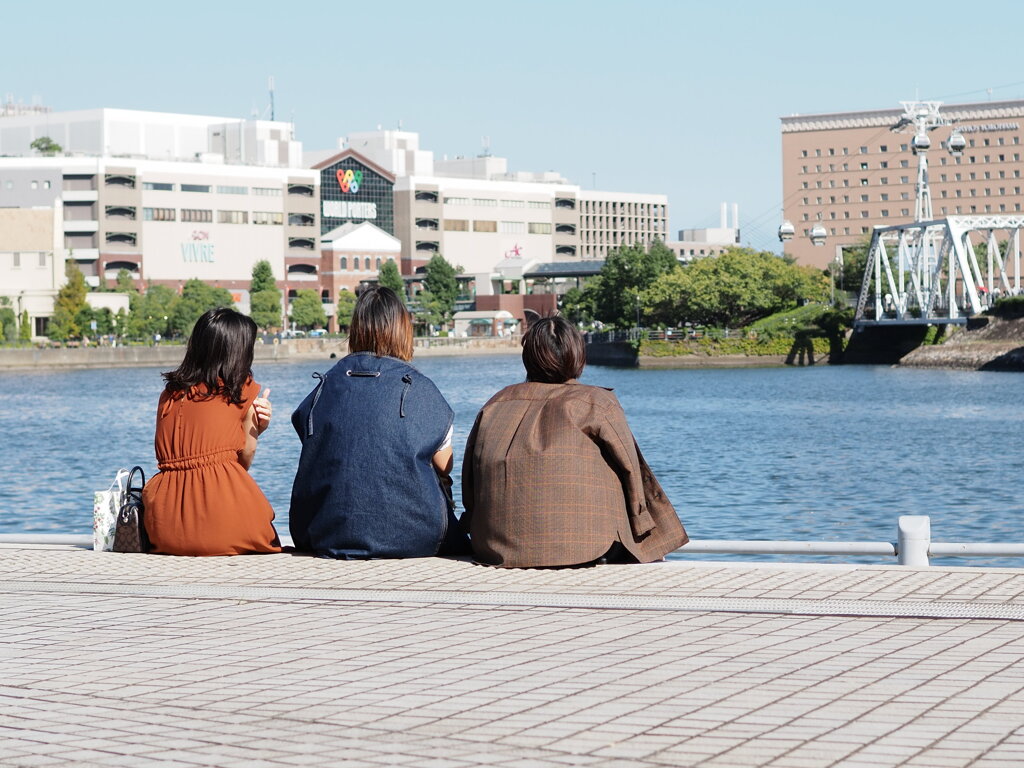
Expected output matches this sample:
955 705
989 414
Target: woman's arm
443 461
252 431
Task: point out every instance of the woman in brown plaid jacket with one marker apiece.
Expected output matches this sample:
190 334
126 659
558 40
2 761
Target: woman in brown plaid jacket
552 475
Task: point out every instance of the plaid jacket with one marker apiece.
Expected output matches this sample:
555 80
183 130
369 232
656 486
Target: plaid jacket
552 476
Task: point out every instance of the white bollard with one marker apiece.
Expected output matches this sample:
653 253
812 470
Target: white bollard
913 540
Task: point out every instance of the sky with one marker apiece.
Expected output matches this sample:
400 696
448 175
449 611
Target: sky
658 96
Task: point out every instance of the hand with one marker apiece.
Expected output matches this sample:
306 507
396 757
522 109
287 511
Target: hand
264 411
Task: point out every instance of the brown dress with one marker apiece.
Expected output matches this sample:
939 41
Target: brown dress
203 501
552 477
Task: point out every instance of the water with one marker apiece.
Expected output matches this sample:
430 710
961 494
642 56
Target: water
820 453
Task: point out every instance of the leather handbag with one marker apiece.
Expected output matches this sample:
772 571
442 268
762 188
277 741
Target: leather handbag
130 534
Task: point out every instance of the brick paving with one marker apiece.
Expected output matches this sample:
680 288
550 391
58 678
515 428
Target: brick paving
133 660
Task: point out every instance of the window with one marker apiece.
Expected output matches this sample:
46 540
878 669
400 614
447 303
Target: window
157 186
233 217
904 179
883 197
831 151
486 202
885 213
863 214
267 191
803 153
863 198
343 263
846 166
863 166
817 153
514 203
863 182
904 163
196 214
539 228
456 225
883 148
512 227
883 164
863 150
485 226
34 184
158 214
803 169
804 186
232 190
267 217
426 196
17 260
542 204
195 187
456 201
806 201
46 185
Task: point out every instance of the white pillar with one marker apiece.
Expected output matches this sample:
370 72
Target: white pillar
914 538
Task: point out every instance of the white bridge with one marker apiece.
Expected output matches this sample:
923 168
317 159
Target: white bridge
930 273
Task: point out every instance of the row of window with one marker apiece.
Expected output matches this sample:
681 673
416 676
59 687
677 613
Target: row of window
1001 158
505 227
34 184
490 202
21 259
884 213
367 261
163 186
884 197
1000 141
205 215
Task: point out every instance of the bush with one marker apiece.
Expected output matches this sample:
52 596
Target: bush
1008 307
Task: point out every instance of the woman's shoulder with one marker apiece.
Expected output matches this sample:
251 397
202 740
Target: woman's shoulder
573 390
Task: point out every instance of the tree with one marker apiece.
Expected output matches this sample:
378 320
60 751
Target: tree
25 327
150 312
389 277
308 309
44 145
196 298
440 289
8 320
577 305
733 289
124 283
344 307
264 297
69 305
628 272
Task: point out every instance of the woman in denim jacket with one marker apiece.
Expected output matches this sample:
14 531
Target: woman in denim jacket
373 476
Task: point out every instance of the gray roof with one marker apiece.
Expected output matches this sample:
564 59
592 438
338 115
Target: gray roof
566 269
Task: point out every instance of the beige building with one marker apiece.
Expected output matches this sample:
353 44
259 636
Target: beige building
850 172
32 262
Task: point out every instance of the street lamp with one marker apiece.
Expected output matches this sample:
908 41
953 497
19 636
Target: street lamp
638 311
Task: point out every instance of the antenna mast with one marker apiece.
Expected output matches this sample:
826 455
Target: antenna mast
270 85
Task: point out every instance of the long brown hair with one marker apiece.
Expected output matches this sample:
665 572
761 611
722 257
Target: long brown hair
219 355
381 324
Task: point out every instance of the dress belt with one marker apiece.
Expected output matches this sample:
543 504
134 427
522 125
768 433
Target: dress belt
200 460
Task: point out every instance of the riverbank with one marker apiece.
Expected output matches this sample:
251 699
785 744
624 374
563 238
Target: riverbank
81 358
992 345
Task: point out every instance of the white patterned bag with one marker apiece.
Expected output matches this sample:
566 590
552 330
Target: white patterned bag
105 506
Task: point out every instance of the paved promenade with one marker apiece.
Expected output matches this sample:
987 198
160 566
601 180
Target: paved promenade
136 660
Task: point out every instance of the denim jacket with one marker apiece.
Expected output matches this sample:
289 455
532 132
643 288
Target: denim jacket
365 484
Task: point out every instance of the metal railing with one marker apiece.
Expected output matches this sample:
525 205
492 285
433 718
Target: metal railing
913 547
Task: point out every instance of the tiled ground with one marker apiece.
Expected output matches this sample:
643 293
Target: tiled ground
150 661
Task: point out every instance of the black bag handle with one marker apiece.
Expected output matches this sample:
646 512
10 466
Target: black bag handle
131 490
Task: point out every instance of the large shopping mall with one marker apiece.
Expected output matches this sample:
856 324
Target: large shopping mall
171 197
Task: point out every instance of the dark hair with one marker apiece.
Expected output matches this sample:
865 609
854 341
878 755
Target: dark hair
381 324
219 355
553 351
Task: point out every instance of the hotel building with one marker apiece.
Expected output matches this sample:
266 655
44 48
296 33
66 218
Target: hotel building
850 171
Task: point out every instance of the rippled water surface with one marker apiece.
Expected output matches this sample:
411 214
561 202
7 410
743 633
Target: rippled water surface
776 453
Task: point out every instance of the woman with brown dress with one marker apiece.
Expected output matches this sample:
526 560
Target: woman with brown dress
203 501
552 475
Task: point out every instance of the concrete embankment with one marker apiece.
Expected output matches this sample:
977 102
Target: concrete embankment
165 355
621 354
988 344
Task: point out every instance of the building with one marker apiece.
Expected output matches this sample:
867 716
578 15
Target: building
850 172
700 243
32 262
350 255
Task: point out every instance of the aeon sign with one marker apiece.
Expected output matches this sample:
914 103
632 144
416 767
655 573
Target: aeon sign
198 248
350 181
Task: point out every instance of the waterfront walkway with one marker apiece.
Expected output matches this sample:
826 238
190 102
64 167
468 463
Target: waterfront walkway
140 660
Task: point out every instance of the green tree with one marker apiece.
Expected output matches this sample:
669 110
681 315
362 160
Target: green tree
308 309
44 145
124 283
389 277
577 305
196 298
8 320
344 307
440 289
850 274
264 297
69 304
733 289
150 312
25 327
628 272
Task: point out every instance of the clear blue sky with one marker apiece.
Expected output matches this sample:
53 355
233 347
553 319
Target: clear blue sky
681 98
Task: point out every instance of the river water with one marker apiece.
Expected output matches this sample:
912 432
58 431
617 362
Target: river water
825 453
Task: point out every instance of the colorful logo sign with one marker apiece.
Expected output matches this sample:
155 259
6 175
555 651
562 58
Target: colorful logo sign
349 180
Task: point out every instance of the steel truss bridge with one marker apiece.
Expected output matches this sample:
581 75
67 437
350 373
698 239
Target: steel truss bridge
929 273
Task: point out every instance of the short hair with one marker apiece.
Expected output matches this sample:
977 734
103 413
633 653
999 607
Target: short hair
553 351
219 355
381 324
